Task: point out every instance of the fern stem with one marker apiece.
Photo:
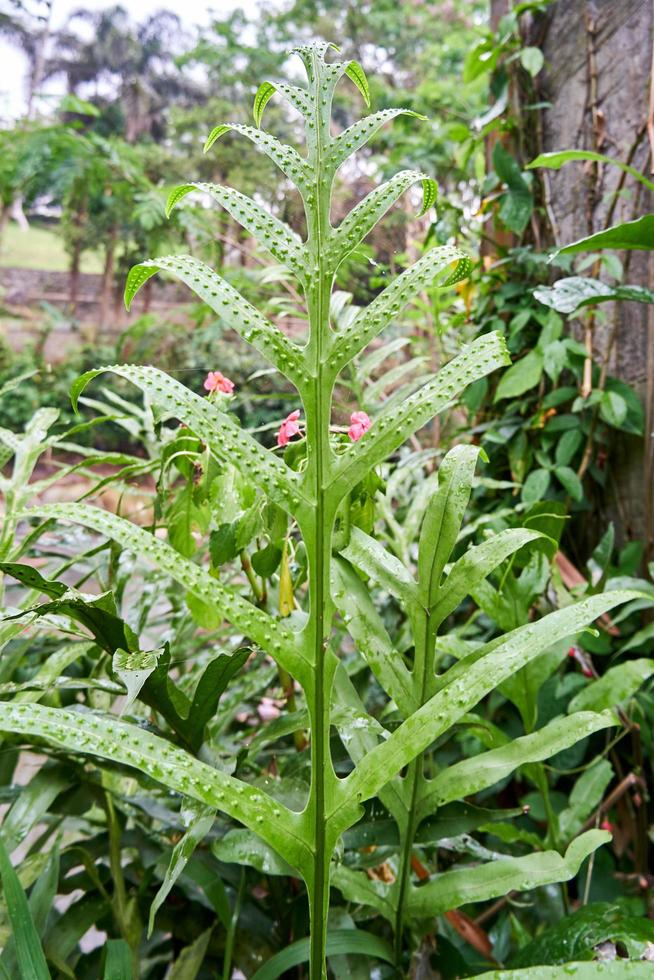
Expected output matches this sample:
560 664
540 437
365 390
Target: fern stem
413 775
425 643
318 410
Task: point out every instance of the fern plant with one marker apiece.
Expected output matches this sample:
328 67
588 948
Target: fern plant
316 495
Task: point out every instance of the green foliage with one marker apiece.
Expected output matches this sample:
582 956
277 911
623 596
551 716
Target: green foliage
345 663
638 234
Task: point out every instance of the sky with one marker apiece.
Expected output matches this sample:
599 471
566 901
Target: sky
13 64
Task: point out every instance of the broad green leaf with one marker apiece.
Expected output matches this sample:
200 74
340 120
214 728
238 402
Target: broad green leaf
66 932
218 430
639 638
521 376
481 58
356 225
96 612
133 669
32 578
617 969
118 960
29 952
574 292
475 565
286 158
434 268
638 234
355 72
232 308
615 686
339 942
452 889
467 688
52 669
443 518
586 794
263 95
40 903
244 847
366 628
129 745
472 775
269 231
188 963
359 133
210 688
199 822
535 486
357 887
370 557
570 482
393 426
297 97
613 408
532 60
557 158
359 737
33 803
271 635
516 203
577 935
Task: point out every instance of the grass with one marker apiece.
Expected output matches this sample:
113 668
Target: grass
40 248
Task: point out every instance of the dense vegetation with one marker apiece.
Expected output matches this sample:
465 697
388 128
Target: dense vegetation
315 653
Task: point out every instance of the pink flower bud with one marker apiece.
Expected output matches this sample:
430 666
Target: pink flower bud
289 428
215 381
359 424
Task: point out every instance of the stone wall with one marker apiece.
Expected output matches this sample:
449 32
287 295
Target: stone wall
23 291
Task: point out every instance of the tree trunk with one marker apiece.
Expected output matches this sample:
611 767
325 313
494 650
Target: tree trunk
108 276
597 77
73 281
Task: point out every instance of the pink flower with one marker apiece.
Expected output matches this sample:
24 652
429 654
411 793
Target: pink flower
607 825
359 423
215 381
289 428
268 710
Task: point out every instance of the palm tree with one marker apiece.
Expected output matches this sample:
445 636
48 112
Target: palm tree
135 61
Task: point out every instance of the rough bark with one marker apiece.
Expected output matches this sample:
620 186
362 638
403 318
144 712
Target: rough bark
597 80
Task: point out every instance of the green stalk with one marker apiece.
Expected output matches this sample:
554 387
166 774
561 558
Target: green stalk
318 540
425 642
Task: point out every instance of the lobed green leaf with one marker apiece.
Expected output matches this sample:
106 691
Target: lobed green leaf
269 231
472 775
286 158
232 308
393 426
106 738
218 430
359 133
433 269
363 218
272 636
466 689
356 74
366 628
452 889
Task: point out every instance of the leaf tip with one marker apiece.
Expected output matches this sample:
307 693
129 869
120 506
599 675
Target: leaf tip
214 135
